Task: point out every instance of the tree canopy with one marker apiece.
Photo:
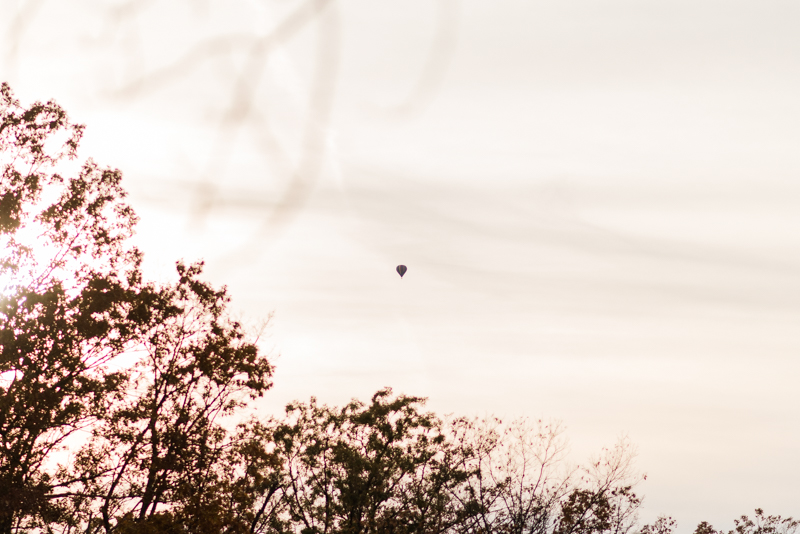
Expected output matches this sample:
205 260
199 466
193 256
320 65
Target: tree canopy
132 373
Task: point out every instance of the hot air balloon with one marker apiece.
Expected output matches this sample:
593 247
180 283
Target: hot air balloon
401 270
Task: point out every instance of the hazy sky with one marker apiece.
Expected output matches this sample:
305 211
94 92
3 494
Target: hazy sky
597 202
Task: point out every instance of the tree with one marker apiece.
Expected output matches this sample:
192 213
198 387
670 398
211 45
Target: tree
760 524
161 445
87 346
662 525
516 487
603 500
388 466
63 314
382 467
522 485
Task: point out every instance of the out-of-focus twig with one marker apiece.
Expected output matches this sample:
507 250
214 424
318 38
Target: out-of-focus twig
316 134
201 53
314 141
244 96
19 24
440 55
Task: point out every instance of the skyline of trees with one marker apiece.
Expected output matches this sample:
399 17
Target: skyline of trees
118 398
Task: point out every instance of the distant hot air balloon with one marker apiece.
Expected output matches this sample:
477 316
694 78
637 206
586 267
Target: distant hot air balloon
401 270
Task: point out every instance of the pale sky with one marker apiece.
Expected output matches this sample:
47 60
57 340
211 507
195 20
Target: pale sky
597 202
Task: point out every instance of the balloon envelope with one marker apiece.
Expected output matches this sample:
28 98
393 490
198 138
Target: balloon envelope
401 270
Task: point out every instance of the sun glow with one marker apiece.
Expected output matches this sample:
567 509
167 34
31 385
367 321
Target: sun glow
29 257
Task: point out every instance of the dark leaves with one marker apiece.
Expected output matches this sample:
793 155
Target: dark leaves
90 349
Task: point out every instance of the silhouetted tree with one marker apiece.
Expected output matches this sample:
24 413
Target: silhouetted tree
760 524
516 487
603 501
521 484
160 444
87 345
70 288
388 466
382 467
662 525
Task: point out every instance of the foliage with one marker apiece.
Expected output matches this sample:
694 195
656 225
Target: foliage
516 488
523 486
88 347
760 524
388 466
662 525
63 315
364 468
